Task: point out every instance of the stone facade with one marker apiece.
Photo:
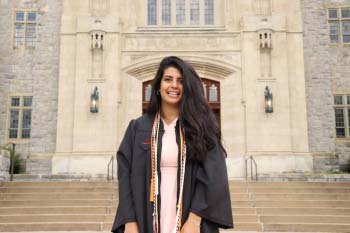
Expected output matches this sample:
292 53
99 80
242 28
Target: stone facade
327 72
224 52
33 71
107 44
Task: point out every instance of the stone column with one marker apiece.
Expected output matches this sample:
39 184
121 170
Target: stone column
4 165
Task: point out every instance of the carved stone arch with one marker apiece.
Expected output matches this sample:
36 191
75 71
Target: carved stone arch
211 71
145 68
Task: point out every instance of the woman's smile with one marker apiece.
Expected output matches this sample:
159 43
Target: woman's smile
171 87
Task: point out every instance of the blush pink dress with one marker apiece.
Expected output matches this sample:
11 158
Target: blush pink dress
168 186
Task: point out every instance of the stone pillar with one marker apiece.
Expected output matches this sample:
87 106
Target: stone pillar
4 165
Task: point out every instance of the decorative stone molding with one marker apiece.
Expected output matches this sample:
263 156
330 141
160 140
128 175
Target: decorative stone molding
265 38
97 39
97 54
207 67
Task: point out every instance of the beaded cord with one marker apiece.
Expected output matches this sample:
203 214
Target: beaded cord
154 187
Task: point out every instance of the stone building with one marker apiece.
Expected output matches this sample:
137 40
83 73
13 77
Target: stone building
327 73
57 57
29 64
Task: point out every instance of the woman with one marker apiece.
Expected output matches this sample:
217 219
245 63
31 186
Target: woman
171 163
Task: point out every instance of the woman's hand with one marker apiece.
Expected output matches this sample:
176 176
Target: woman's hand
131 227
192 224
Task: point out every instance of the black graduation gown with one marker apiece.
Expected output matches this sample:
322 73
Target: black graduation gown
206 190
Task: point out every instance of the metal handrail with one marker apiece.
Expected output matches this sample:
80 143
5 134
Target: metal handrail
252 161
111 161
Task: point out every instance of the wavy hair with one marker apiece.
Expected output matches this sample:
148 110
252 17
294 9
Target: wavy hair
202 130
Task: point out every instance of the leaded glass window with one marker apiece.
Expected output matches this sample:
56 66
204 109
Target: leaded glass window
345 12
338 100
209 12
333 13
152 12
25 29
339 123
342 115
194 12
166 12
180 12
205 89
20 117
339 25
148 91
213 93
346 31
334 32
14 119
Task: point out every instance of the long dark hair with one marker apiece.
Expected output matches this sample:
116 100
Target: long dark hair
202 131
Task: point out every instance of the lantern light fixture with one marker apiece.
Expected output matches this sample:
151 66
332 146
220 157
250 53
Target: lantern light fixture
268 100
94 101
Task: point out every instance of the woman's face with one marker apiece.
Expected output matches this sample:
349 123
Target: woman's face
171 87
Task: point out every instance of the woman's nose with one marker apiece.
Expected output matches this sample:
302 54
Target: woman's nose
174 83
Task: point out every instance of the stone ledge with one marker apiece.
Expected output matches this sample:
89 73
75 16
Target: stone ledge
306 177
63 177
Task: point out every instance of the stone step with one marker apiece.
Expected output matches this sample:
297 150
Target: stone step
58 210
311 204
289 184
247 226
68 202
240 204
54 189
300 196
300 190
303 211
32 218
339 219
75 184
307 227
57 226
239 190
244 210
57 195
90 226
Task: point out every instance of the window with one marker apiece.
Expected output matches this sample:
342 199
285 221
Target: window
20 116
209 11
186 12
180 12
339 25
24 29
342 116
194 11
152 12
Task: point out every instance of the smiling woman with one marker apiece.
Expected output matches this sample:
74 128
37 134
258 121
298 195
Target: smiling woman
171 88
171 163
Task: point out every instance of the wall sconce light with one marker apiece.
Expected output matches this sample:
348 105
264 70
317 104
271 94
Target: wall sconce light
94 101
268 100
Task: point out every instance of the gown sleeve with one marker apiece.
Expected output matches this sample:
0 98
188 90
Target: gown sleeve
211 198
126 209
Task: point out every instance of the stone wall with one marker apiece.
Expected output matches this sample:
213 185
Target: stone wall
327 71
32 70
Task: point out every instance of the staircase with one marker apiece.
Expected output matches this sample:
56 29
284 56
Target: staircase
257 206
